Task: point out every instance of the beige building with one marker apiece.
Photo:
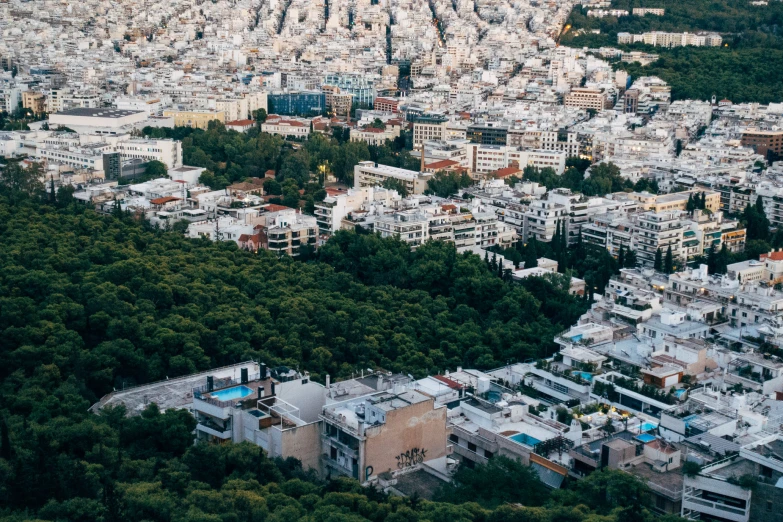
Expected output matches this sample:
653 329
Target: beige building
389 431
586 98
338 102
675 201
197 118
35 101
368 174
428 129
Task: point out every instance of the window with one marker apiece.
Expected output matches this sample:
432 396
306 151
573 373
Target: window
471 446
488 454
453 438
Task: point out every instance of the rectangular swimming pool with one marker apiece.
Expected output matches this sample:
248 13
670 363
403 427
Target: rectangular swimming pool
524 438
648 426
229 394
645 437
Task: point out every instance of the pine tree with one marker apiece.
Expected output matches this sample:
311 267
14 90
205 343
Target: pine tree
493 266
564 239
668 263
556 237
658 263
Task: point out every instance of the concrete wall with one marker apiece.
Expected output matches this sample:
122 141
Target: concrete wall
309 397
417 427
304 443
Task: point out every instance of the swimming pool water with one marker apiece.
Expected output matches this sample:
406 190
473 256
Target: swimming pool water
232 393
524 438
645 437
648 426
584 375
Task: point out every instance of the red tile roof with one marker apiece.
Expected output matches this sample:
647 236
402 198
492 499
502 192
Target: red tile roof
507 171
163 201
442 164
772 256
454 385
274 208
239 123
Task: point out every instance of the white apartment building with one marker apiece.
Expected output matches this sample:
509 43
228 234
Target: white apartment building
658 230
429 129
152 106
663 39
485 159
287 127
11 96
373 136
168 152
410 226
567 142
59 100
101 121
541 219
331 212
370 174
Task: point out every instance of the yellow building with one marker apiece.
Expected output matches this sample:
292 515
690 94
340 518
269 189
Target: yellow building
35 101
676 201
198 119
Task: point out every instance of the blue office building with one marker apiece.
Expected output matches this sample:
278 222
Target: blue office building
296 103
362 88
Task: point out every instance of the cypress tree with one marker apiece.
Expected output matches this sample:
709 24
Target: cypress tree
668 263
630 259
658 263
712 259
621 257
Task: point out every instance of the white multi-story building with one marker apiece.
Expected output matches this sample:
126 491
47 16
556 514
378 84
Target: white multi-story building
287 127
485 159
370 174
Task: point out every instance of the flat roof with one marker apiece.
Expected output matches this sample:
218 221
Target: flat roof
98 113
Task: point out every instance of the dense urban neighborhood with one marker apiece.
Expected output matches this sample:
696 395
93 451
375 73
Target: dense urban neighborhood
384 260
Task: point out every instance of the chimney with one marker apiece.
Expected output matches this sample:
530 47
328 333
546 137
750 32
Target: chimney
243 373
273 389
210 383
260 392
328 381
263 371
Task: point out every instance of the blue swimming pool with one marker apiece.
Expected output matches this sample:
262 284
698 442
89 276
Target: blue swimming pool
230 394
645 437
648 426
524 438
584 375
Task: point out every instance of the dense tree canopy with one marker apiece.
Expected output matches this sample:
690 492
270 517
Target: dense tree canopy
91 302
746 69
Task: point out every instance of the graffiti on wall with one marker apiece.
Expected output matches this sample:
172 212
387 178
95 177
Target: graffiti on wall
411 458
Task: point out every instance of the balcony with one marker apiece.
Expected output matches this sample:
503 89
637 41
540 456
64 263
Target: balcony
213 429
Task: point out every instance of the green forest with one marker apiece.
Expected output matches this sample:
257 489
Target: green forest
747 69
90 302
